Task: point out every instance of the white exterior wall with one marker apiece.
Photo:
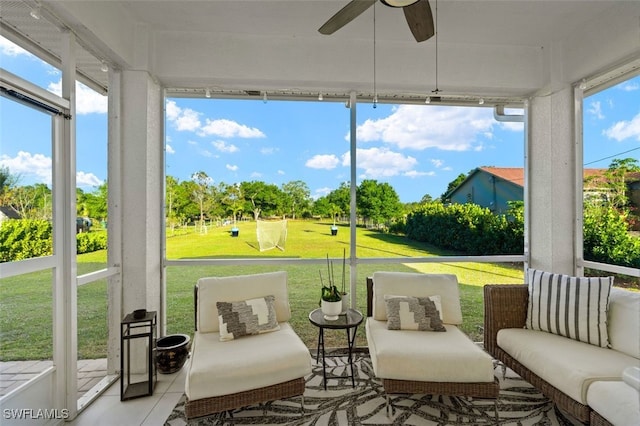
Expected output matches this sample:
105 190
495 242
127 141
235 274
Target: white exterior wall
551 158
142 171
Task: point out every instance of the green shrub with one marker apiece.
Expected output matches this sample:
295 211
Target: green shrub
91 241
24 239
467 228
607 238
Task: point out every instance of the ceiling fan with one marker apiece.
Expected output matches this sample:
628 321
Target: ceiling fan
417 13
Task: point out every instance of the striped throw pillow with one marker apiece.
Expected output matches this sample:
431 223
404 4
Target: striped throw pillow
574 307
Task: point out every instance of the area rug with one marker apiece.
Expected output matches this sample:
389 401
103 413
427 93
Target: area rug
519 403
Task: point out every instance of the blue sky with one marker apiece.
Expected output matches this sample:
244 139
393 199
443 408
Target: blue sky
417 149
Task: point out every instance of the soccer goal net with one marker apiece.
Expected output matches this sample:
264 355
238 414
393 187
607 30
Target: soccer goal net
271 234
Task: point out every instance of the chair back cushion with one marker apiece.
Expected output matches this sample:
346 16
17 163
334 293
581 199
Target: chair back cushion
417 285
237 288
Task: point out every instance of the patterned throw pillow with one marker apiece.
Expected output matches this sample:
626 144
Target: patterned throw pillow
413 313
247 317
574 307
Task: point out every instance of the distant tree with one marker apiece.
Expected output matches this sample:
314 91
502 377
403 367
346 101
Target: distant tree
341 197
202 192
452 185
32 201
232 198
263 199
297 196
616 180
377 202
426 198
7 182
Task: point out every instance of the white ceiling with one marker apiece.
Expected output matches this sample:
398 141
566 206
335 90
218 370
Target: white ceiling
493 49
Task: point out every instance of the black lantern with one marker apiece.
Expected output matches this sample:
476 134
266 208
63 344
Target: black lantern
138 373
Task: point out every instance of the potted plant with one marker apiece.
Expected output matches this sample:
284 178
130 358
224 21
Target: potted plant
330 297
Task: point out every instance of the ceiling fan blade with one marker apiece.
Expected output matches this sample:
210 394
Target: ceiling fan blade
420 20
345 15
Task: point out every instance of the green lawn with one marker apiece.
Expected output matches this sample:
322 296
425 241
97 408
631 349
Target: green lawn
26 308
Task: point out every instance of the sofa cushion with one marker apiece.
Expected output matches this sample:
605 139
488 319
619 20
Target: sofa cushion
624 321
247 317
222 368
413 313
417 285
567 364
212 290
617 402
574 307
432 357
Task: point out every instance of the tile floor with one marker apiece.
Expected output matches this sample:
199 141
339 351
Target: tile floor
107 409
151 410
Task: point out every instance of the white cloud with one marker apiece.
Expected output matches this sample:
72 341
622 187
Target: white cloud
421 127
233 168
169 149
183 119
381 162
323 161
595 109
321 192
88 101
84 180
10 49
415 174
229 129
37 166
256 175
281 172
624 129
222 146
629 86
437 163
268 150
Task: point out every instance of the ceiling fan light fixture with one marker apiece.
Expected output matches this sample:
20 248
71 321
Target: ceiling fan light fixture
399 3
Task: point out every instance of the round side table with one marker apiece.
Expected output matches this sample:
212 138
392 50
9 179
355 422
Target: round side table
348 321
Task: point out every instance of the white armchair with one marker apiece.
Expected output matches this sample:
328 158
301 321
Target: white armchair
425 362
228 371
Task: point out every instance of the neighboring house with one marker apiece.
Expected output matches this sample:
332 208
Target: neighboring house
490 187
7 212
494 187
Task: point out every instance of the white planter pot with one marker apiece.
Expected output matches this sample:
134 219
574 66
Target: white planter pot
346 303
331 310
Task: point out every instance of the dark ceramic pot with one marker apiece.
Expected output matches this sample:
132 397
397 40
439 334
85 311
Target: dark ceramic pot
172 352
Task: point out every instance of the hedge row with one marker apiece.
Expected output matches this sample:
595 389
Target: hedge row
467 228
474 230
28 238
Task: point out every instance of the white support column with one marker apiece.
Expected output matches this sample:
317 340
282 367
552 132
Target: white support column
552 177
65 339
352 204
114 224
142 162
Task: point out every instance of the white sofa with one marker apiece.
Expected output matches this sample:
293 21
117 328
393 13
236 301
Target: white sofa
425 362
583 379
224 375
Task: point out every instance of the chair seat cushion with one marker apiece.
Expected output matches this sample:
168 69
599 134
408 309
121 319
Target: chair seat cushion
222 368
567 364
429 357
617 402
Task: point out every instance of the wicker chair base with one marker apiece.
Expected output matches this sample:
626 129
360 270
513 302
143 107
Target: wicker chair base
598 420
217 404
563 401
475 390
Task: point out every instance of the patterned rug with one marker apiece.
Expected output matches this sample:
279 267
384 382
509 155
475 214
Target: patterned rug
519 403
